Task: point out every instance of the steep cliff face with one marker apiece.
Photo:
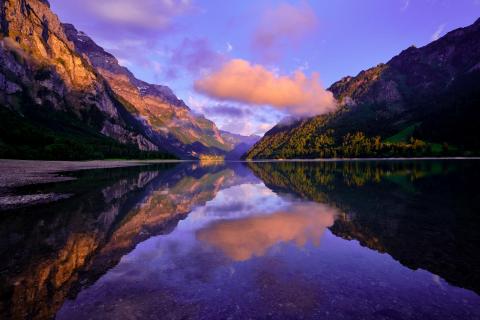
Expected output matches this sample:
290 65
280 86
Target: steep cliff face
433 90
171 119
57 80
41 72
414 73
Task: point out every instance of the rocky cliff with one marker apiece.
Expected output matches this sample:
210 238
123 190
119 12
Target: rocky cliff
430 93
40 72
170 119
58 89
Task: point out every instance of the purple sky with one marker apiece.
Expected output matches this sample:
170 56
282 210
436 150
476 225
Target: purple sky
247 64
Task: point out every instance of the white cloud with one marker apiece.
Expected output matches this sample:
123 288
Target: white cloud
246 121
150 14
438 33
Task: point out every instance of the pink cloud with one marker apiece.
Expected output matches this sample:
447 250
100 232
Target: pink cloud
240 81
283 26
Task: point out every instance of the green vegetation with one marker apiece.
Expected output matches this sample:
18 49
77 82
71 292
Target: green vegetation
27 139
356 145
404 135
317 181
446 126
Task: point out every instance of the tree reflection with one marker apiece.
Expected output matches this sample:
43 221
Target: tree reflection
423 213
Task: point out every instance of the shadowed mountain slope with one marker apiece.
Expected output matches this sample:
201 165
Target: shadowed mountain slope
422 100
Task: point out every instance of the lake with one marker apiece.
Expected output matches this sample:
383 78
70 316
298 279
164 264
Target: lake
267 240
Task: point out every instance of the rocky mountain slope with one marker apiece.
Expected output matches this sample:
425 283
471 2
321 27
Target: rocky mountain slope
429 94
170 119
62 96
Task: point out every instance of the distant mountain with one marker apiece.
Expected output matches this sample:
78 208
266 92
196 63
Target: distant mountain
242 144
425 101
63 97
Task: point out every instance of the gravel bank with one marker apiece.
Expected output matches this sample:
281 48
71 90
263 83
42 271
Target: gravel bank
18 173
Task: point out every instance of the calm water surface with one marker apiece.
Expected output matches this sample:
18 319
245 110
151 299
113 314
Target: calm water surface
324 240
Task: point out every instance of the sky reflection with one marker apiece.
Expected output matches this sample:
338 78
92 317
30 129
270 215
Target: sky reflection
242 239
251 248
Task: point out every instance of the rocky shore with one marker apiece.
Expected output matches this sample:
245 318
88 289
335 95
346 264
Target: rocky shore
19 173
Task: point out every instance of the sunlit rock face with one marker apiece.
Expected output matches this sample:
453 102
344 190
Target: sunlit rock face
40 71
250 237
170 118
46 66
39 33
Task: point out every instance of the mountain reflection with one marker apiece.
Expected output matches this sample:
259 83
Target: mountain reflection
50 252
245 238
424 214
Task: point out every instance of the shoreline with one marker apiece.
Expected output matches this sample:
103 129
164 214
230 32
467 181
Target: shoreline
361 159
20 173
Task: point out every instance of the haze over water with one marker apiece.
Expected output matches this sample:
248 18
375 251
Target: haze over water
320 240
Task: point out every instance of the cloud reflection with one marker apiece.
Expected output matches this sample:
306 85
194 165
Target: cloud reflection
246 238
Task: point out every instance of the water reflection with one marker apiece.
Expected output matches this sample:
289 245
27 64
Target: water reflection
423 213
52 251
245 238
187 241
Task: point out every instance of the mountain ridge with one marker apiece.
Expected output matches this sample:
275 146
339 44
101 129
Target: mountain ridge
59 89
170 118
423 91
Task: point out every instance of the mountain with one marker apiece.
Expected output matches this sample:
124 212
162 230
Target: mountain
173 123
422 102
53 102
64 97
242 144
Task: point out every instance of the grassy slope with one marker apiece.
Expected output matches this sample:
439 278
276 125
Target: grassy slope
404 135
